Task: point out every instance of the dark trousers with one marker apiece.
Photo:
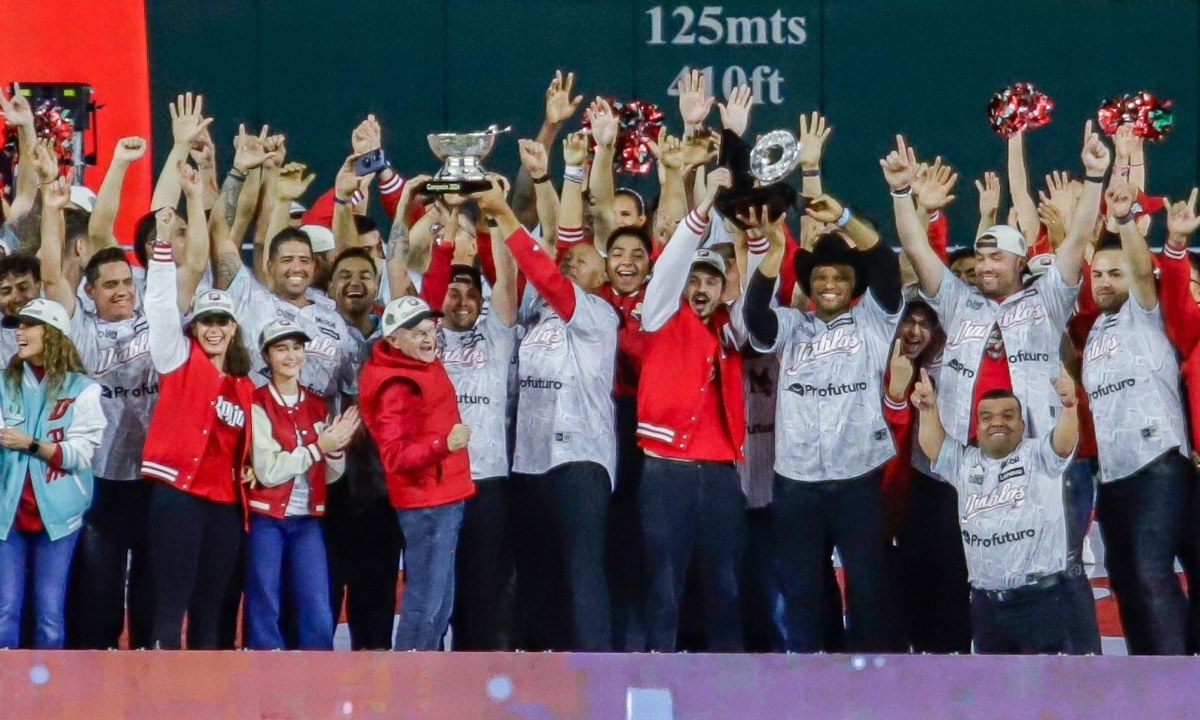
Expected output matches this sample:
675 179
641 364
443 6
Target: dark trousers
485 596
626 549
930 586
808 517
1079 493
364 562
1046 618
693 512
113 539
761 596
563 515
1142 521
194 544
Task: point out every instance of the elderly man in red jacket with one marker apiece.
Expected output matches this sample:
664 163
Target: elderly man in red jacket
691 426
411 410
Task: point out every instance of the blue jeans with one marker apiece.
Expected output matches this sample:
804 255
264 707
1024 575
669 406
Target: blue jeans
34 558
1142 519
808 517
430 546
293 549
693 512
1080 495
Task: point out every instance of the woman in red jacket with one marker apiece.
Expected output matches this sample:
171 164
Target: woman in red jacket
410 408
198 446
295 455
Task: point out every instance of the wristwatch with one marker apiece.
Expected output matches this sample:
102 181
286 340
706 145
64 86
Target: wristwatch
34 446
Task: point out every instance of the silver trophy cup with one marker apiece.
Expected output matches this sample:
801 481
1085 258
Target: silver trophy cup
462 154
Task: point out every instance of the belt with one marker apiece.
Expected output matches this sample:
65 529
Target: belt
1043 583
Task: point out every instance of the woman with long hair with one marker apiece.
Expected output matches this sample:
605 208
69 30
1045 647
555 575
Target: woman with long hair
198 445
52 424
297 451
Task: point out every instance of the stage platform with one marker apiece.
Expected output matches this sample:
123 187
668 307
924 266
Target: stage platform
566 686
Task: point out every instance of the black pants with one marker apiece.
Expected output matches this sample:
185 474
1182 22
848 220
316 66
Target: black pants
485 589
113 538
1044 619
762 600
624 558
364 564
693 512
1142 521
808 517
194 546
930 590
562 518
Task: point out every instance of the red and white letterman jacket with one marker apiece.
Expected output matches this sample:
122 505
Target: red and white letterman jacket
685 351
189 388
285 447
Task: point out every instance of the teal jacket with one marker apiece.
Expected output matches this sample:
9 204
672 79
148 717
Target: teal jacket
75 421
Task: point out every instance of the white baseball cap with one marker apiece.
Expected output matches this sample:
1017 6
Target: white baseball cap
280 329
1002 237
296 209
406 312
1039 264
320 236
83 197
704 256
213 302
40 311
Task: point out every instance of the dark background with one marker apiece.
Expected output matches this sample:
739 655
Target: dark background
314 68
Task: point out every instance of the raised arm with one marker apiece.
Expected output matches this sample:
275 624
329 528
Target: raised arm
187 125
601 184
1069 255
898 169
504 290
250 153
570 206
1066 430
560 106
18 113
345 184
204 154
536 161
56 287
195 254
1121 196
880 264
399 248
1018 187
169 347
931 434
1180 312
989 201
108 201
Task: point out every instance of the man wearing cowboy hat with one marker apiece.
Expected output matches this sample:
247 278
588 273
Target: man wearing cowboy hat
831 438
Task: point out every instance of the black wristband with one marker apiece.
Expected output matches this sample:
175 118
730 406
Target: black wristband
34 446
237 174
1093 178
811 173
1126 218
543 179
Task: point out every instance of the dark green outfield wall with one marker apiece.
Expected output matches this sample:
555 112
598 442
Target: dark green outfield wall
313 68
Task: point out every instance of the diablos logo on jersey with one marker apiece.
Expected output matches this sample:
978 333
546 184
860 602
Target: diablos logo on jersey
841 341
1005 495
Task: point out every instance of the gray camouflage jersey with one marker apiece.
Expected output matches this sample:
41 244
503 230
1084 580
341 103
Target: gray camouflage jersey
1131 374
1010 510
117 356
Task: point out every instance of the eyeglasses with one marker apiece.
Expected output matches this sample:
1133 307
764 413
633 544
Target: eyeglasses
218 320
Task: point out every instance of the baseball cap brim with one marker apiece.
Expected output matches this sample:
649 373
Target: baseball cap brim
10 322
420 317
212 312
297 334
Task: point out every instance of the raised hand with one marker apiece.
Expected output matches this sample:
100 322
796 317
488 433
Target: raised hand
409 193
129 150
575 147
902 371
716 181
187 121
56 194
345 183
1182 221
736 115
935 191
1066 389
276 147
494 200
44 162
824 209
203 150
1120 197
534 158
813 134
293 182
16 109
560 106
989 195
605 123
694 101
250 150
1055 223
924 397
189 180
1095 155
1125 143
367 136
698 150
668 150
164 222
899 166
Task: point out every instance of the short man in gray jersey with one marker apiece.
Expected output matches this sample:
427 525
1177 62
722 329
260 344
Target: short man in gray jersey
1013 520
1131 373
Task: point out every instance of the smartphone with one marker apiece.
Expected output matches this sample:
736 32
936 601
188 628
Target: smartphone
369 163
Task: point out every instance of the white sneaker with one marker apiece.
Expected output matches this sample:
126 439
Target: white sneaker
1089 557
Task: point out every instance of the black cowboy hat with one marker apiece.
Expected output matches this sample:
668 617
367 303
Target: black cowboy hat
829 249
744 195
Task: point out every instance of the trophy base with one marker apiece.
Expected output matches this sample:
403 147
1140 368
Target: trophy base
456 187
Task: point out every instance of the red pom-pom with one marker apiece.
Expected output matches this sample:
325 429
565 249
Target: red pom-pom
1019 107
1150 117
52 122
640 124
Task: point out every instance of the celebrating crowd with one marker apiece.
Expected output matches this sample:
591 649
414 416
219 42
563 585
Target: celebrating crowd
583 419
